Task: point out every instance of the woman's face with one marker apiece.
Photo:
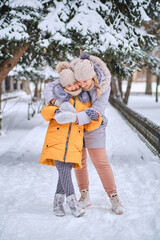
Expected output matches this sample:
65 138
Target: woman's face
72 87
85 84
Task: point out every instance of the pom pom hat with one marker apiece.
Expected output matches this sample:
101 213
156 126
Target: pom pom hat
84 70
66 74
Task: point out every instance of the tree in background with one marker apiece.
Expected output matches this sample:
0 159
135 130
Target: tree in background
49 31
111 29
18 31
152 59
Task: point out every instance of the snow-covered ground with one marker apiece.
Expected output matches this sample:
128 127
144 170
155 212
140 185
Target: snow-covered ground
138 87
144 104
27 188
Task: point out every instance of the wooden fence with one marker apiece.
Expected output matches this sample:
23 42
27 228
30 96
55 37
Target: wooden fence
147 128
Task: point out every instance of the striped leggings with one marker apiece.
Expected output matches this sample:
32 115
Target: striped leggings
65 184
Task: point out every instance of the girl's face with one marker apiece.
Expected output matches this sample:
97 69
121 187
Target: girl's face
85 84
72 87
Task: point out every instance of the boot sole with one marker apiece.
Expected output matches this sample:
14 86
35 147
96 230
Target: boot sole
80 215
59 215
117 213
87 206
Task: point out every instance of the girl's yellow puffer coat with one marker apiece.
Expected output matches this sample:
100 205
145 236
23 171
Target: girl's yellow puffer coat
64 142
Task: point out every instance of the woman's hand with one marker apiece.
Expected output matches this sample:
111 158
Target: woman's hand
53 101
92 114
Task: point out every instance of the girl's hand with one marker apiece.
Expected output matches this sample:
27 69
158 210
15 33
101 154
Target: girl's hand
65 117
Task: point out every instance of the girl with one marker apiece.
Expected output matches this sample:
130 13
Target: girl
63 143
94 77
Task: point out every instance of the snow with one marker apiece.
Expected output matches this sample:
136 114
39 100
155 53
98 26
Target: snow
144 104
49 72
29 3
138 87
27 188
87 21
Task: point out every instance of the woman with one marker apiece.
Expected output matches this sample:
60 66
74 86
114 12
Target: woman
94 77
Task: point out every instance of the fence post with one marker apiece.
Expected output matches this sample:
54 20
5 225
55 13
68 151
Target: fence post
29 104
0 108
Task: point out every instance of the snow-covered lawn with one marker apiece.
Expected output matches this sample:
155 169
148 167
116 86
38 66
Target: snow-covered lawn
144 104
27 188
139 87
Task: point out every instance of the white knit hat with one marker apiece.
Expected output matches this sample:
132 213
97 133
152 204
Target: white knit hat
84 70
66 74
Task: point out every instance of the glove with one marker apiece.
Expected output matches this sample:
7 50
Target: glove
65 117
67 107
92 114
57 111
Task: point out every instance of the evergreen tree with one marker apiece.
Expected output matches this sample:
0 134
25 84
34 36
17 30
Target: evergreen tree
56 30
111 29
18 31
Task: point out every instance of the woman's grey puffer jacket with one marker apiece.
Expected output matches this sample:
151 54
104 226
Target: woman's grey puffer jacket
104 78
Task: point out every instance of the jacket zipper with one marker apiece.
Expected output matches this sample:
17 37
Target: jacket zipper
68 134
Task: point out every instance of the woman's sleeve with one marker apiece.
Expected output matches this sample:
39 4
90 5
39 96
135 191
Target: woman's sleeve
83 118
48 91
98 105
55 90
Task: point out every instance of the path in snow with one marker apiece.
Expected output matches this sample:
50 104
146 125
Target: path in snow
27 190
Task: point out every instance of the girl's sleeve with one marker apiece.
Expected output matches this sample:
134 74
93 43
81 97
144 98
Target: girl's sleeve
47 112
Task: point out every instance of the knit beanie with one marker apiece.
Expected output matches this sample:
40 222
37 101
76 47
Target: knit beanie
84 70
66 74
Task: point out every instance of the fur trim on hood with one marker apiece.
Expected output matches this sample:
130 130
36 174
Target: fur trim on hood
104 83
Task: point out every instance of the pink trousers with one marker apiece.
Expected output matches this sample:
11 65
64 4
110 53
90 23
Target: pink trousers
100 161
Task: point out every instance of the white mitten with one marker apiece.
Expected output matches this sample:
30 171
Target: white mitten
65 117
67 107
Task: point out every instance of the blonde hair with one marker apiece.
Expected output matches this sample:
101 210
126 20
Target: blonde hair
96 83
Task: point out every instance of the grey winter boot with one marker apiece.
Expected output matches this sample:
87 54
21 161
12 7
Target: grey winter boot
76 210
58 205
116 204
84 200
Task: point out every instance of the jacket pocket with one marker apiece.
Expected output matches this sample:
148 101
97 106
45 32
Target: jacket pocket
78 140
54 129
52 145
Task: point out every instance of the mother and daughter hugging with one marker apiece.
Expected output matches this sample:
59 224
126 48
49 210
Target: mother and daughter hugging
76 115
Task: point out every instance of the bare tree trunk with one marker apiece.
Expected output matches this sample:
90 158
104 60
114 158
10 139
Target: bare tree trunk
9 63
157 88
115 88
149 82
120 86
26 87
40 89
0 108
127 93
36 89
